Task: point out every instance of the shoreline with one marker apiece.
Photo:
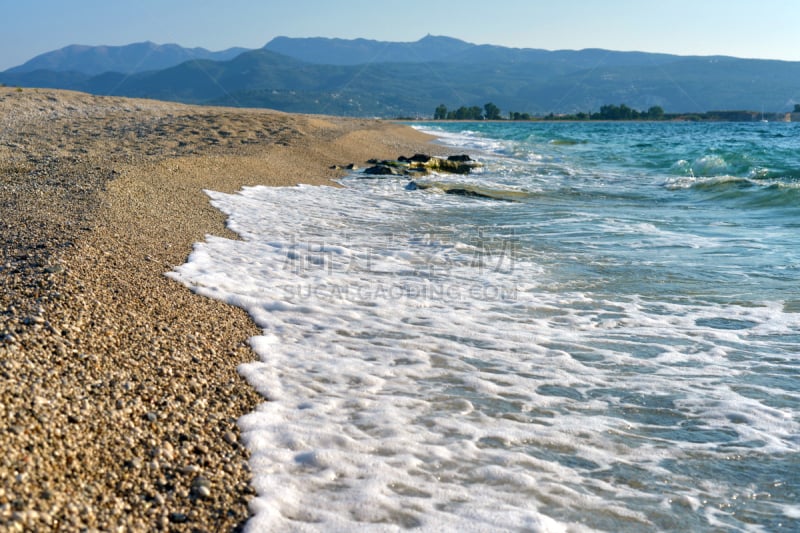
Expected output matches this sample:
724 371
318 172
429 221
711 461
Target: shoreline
119 387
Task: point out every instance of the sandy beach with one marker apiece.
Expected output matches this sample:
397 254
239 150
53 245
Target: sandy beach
119 393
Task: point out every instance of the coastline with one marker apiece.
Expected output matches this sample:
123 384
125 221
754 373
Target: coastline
119 393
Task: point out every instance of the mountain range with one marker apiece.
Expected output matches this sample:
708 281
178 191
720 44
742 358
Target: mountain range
361 77
128 59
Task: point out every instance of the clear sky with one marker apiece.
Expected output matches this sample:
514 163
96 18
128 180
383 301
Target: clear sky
743 28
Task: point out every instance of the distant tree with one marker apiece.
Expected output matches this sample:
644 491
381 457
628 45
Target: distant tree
469 113
655 113
797 108
626 113
492 112
621 112
607 112
516 115
466 113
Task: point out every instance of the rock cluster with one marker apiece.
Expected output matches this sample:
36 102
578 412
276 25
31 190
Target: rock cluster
421 164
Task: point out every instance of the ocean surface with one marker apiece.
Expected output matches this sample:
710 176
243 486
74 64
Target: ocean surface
598 330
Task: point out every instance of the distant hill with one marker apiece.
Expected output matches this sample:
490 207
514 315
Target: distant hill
430 49
132 58
372 78
324 51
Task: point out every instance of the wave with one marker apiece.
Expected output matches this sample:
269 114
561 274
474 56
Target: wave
735 164
714 165
567 142
776 195
713 183
788 176
761 192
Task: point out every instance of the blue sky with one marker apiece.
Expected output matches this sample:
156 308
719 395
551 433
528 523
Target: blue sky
742 28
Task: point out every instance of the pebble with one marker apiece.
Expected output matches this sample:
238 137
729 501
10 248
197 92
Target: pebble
201 487
189 469
230 438
31 320
166 451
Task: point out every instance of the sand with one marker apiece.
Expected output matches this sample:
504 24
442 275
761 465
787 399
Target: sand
119 393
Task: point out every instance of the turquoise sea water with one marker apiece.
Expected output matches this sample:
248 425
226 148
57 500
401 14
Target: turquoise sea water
606 339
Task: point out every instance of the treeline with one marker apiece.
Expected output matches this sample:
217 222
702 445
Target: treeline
610 112
488 112
491 112
614 112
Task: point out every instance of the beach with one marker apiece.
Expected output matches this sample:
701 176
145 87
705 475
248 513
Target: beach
119 391
594 330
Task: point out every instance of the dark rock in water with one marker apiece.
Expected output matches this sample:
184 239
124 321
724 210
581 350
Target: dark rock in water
416 158
456 191
381 170
446 165
419 170
388 162
351 166
420 164
468 193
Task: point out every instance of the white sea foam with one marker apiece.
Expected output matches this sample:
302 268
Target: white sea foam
423 373
467 140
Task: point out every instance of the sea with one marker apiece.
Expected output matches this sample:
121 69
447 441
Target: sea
598 329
